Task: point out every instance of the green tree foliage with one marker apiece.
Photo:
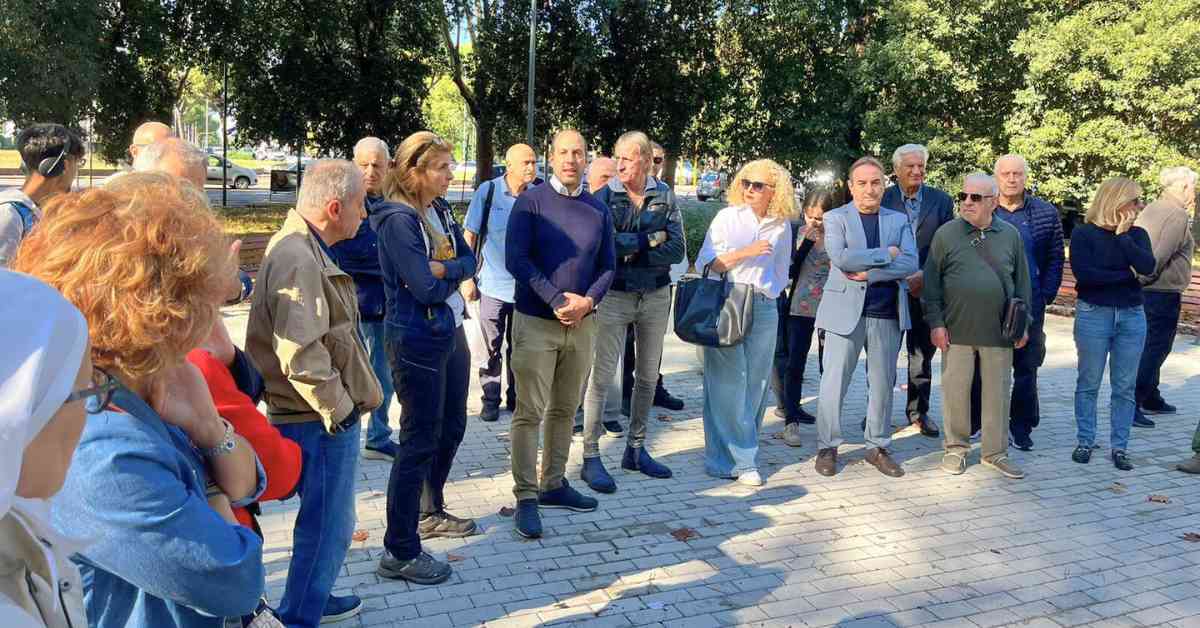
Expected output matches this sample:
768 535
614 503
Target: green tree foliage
49 60
446 113
1112 89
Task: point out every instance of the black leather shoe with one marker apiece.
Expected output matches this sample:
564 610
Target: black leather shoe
664 399
1158 407
1082 454
927 427
489 413
1140 420
804 417
1121 461
1022 442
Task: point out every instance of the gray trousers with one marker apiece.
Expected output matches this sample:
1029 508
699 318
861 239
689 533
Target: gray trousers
650 312
882 339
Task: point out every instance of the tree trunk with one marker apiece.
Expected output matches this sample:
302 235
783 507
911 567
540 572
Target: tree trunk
485 152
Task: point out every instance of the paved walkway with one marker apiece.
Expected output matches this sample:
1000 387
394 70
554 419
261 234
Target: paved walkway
1070 545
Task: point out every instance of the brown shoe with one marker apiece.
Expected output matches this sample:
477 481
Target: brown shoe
827 461
880 459
1192 465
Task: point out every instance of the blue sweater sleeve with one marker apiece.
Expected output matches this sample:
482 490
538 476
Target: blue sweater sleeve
402 254
154 531
518 251
606 264
1138 250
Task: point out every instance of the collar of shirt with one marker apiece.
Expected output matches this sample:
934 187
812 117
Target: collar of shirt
915 197
1021 207
562 189
615 184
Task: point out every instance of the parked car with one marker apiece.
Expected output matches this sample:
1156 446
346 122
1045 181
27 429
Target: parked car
712 185
240 176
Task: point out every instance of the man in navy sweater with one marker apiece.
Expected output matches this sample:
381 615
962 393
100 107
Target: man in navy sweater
559 249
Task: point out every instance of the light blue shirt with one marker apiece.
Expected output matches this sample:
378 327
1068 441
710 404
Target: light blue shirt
494 279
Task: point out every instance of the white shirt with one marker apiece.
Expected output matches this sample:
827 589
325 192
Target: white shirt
736 227
562 188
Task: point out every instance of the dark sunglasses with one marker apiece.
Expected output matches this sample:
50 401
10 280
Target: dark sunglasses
757 186
658 160
975 198
97 396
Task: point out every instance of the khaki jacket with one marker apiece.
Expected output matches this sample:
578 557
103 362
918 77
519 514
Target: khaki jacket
29 568
303 333
1166 221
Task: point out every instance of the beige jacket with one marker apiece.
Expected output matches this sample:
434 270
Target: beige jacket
1166 221
39 586
303 333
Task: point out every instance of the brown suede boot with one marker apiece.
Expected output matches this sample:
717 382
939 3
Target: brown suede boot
1191 465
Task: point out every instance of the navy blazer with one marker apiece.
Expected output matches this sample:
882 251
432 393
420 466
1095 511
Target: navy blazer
936 210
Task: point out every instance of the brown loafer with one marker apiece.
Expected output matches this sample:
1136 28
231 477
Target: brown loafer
880 459
827 461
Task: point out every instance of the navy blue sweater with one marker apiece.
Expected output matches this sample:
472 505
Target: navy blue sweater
1103 264
557 244
359 258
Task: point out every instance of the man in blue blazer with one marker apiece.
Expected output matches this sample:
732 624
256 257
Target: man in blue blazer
871 251
928 208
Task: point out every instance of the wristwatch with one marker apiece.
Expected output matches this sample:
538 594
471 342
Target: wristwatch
226 446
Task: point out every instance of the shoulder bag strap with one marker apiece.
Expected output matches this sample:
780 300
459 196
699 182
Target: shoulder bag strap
978 245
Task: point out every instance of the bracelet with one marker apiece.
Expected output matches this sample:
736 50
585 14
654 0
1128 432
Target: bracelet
226 446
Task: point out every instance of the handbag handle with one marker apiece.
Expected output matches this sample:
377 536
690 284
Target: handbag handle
724 275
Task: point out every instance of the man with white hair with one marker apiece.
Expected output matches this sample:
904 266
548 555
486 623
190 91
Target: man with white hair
928 208
975 262
303 334
174 156
359 257
1168 221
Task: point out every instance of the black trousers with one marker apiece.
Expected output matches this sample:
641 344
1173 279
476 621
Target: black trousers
920 361
431 383
1162 319
495 323
1024 410
799 340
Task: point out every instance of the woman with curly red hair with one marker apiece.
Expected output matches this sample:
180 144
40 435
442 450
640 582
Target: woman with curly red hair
157 470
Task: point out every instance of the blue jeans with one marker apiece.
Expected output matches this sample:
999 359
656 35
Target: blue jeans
1114 335
325 522
378 432
735 395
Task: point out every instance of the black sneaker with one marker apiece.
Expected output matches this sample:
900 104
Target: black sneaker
1140 420
1158 407
529 522
614 429
1121 461
1082 454
664 399
1022 442
341 608
802 416
420 570
386 453
568 498
489 413
444 524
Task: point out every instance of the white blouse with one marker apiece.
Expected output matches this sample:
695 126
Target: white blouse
737 226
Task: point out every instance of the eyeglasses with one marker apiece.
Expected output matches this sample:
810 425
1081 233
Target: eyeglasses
1137 202
658 160
436 141
97 396
975 198
757 186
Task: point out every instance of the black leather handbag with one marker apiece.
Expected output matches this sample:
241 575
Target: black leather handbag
713 313
1014 318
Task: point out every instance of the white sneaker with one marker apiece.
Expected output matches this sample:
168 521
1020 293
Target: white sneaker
750 478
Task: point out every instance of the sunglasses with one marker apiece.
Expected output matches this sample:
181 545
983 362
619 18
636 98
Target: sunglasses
97 396
416 158
975 198
658 160
757 186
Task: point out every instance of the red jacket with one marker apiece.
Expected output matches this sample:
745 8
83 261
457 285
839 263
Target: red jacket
280 456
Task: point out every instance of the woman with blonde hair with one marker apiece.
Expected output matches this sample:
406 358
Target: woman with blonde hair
157 471
1107 253
751 241
424 259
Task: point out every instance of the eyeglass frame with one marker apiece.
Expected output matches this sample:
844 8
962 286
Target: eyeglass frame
758 186
103 392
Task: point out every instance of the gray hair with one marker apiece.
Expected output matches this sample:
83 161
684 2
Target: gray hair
982 177
909 149
325 180
1014 157
374 144
150 157
637 138
1171 177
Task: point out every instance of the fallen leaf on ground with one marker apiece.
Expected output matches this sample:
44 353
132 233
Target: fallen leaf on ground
1118 488
1160 499
684 534
359 536
505 511
777 435
453 558
664 418
1191 537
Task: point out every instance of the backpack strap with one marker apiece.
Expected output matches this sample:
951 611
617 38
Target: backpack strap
27 215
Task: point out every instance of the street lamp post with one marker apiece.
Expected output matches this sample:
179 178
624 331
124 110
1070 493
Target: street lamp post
532 59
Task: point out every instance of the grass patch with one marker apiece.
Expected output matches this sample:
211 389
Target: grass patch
252 220
696 218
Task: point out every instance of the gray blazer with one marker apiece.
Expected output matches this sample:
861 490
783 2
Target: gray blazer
846 243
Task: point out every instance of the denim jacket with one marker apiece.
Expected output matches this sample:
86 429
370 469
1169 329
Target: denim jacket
641 267
160 556
416 300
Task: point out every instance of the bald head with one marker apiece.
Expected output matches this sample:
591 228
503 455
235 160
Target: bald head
176 157
520 164
147 134
601 170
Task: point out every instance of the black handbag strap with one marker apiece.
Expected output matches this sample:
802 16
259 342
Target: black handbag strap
978 245
483 226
